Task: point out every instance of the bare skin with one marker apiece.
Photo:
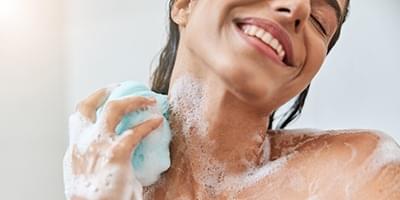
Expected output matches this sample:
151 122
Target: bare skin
239 91
104 168
323 163
240 88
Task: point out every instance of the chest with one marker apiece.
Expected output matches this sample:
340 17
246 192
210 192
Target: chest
300 168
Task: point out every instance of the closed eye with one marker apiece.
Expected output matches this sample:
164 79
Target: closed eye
318 25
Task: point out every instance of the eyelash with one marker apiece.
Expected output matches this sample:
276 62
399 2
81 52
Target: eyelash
319 25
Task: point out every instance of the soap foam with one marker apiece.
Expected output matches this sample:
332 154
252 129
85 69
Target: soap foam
353 152
103 185
386 152
78 124
187 102
104 181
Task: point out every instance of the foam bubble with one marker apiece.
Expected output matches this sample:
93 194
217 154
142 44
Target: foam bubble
188 106
353 152
106 181
99 187
386 152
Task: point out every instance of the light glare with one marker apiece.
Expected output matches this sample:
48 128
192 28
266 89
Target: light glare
10 10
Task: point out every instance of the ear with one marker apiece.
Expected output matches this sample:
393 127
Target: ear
180 11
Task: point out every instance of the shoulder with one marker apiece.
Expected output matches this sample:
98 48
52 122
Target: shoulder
378 175
371 150
366 140
337 142
367 161
365 145
356 164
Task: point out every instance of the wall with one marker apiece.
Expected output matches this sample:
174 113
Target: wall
355 89
111 41
54 52
359 83
32 90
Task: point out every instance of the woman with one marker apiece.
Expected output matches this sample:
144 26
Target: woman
227 67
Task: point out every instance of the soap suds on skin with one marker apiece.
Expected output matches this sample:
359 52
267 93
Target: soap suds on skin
353 152
151 156
101 179
104 179
188 106
387 151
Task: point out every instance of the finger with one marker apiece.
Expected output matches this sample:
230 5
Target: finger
88 106
116 109
76 161
77 124
131 137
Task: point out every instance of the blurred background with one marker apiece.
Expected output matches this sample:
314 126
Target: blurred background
55 52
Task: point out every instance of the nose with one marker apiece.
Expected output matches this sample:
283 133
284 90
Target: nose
293 13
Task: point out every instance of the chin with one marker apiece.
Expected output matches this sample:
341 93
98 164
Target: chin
249 92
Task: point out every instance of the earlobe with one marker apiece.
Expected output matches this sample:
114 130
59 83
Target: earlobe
180 11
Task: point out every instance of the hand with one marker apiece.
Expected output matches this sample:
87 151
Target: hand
97 163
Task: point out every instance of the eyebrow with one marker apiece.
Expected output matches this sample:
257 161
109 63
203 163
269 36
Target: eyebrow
335 5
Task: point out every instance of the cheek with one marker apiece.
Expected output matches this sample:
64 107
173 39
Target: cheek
313 60
211 39
202 36
316 54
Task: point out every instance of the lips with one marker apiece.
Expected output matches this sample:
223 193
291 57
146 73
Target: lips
270 38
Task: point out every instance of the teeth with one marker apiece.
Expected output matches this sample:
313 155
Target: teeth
246 29
280 48
260 33
253 30
281 55
266 37
274 43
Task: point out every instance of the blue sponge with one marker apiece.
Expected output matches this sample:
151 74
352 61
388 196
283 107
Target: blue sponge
151 156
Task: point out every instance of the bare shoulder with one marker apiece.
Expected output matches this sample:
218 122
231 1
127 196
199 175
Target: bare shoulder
334 164
378 176
337 142
372 145
366 161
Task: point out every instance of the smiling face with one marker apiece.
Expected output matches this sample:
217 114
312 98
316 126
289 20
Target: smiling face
265 51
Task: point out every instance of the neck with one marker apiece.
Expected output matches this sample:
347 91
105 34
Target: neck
214 132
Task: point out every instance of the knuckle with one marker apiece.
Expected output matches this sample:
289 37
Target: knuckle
85 105
149 128
153 125
113 105
141 100
117 152
135 101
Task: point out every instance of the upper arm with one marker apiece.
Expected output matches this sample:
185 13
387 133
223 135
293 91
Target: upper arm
379 174
370 164
383 185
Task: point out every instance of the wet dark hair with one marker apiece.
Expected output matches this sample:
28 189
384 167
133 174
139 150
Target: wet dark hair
162 75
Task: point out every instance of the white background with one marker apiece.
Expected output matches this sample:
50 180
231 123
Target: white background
54 52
